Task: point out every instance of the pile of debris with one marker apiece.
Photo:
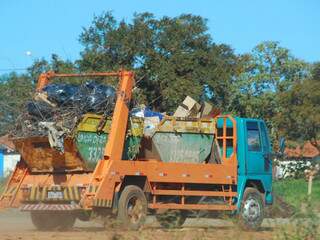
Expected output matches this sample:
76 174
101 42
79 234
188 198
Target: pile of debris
192 109
56 110
59 106
189 108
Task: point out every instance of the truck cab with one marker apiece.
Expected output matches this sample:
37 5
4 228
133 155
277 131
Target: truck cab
254 164
254 157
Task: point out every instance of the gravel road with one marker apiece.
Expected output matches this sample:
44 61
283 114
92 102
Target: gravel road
17 225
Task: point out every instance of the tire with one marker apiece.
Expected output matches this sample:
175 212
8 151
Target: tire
46 221
171 218
252 210
132 207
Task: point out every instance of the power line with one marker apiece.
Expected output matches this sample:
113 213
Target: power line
12 69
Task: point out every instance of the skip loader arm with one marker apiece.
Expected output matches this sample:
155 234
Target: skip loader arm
101 189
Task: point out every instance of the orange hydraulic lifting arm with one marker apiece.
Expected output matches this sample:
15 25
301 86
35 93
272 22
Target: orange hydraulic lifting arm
44 78
117 133
114 148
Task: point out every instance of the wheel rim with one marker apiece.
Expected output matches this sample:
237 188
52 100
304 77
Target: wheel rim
134 209
251 209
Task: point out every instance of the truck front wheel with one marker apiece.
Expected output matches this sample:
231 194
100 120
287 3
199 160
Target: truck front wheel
252 209
132 207
46 221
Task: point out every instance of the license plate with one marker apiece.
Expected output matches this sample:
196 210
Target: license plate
55 195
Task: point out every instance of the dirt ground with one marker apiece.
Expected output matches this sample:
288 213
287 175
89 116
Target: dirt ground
17 225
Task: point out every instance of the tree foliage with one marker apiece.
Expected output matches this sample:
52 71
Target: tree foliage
15 90
175 57
268 71
300 115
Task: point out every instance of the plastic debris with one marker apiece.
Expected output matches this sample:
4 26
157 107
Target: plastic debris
64 104
40 109
150 125
90 96
151 119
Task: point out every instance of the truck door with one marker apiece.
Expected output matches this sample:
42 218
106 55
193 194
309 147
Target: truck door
266 148
258 148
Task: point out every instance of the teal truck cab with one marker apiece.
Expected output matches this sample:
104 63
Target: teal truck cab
254 170
254 155
254 158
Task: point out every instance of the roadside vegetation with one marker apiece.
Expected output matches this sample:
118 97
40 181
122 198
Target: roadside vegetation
303 210
304 224
294 192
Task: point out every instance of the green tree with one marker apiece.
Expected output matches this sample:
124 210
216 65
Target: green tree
266 73
300 115
175 57
15 90
55 64
172 57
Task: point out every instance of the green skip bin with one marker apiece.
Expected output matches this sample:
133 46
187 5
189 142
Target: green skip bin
91 142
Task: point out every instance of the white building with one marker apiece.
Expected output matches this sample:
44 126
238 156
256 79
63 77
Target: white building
8 156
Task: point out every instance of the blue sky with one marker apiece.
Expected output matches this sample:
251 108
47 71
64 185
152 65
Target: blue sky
44 27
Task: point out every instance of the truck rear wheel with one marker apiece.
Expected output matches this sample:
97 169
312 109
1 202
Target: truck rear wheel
171 218
46 221
132 207
252 210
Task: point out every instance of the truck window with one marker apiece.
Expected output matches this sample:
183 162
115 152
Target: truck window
253 135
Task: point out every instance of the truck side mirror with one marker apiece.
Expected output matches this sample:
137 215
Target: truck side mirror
282 145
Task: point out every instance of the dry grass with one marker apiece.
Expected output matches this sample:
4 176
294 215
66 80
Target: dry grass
2 184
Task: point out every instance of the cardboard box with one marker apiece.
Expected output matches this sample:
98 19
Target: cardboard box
188 108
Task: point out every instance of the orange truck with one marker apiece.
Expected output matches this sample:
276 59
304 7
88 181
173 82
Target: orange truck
238 180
